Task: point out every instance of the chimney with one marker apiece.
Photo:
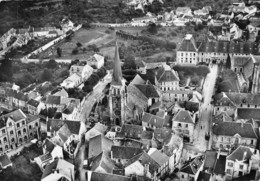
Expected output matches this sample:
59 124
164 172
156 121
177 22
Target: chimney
218 154
244 156
146 169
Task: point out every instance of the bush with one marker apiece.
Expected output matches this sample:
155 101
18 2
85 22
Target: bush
46 75
79 44
75 51
173 33
87 88
195 80
52 64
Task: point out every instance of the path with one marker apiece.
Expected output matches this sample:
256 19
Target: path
204 124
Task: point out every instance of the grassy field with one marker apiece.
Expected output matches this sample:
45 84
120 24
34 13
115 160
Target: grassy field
83 36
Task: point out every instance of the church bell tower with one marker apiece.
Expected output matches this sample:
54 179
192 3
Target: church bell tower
117 93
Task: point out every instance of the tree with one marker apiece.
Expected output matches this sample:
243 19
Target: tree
6 70
59 51
129 62
46 75
79 44
152 28
195 80
52 64
228 62
75 51
93 48
64 73
87 88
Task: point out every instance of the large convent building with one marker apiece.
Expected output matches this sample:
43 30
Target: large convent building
192 52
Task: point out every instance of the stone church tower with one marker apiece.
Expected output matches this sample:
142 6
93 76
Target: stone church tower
117 93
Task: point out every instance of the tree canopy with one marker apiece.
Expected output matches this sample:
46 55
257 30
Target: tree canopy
6 71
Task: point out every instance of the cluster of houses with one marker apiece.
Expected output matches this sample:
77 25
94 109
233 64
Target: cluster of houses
81 71
147 133
224 20
19 37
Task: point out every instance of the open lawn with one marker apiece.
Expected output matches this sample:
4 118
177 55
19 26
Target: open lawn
83 36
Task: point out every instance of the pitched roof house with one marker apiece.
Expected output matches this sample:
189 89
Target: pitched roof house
72 81
122 154
98 176
192 168
58 169
241 161
229 134
183 123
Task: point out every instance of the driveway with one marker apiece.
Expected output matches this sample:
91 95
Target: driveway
204 124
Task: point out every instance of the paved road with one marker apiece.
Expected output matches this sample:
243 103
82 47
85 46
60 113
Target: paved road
204 124
91 98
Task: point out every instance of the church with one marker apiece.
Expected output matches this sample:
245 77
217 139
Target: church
117 93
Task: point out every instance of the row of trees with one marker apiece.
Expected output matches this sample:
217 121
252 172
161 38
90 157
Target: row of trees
94 79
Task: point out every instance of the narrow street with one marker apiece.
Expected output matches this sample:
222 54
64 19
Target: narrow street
84 114
80 160
204 125
91 99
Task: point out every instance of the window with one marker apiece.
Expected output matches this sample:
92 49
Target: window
23 123
19 133
187 125
18 125
230 164
182 176
24 130
30 126
179 124
1 149
229 171
36 124
5 139
6 146
3 131
241 167
12 140
252 142
10 124
11 132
